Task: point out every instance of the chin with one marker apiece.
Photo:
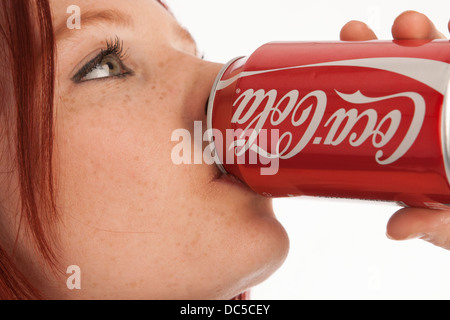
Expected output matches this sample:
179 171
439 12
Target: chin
246 246
264 249
273 244
243 243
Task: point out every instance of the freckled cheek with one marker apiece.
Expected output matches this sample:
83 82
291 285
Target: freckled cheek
104 149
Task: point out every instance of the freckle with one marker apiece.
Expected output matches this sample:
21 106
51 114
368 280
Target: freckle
68 104
153 87
69 101
147 101
133 284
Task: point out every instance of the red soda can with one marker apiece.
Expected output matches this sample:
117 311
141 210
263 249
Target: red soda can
356 120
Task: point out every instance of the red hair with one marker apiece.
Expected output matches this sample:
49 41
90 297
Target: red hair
27 86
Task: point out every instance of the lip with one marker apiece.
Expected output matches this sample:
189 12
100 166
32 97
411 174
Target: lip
242 193
232 181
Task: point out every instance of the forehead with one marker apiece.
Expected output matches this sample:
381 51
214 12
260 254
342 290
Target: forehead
62 5
62 9
114 12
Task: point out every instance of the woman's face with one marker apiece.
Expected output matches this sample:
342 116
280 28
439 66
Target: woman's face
138 225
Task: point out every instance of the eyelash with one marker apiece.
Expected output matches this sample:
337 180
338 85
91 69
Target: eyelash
113 48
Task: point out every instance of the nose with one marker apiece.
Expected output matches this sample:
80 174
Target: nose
200 78
193 79
207 74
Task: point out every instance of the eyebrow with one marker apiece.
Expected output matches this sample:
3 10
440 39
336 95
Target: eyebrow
96 17
114 17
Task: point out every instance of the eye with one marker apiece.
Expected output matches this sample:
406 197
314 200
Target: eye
107 64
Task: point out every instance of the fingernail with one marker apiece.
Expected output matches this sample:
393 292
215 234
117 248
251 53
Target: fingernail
408 237
415 236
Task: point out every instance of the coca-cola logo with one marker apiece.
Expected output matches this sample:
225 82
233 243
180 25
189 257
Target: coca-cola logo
270 126
256 110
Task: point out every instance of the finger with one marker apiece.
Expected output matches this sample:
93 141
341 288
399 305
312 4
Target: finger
414 25
356 31
415 223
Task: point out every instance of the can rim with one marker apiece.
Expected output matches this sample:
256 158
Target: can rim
209 115
445 131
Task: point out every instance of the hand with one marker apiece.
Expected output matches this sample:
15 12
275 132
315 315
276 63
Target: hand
409 223
408 25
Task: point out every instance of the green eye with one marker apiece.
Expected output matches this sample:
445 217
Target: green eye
107 64
110 66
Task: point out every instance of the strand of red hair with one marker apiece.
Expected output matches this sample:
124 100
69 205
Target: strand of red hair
27 86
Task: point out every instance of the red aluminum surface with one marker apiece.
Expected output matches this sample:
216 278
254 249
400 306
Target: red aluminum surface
364 120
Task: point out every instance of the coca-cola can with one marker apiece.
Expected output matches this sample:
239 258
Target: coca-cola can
356 120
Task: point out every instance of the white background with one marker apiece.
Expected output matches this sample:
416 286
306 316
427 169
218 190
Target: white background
339 249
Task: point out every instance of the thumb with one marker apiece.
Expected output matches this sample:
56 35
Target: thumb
417 223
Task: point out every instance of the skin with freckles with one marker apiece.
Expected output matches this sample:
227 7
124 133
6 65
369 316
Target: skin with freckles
137 225
409 223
